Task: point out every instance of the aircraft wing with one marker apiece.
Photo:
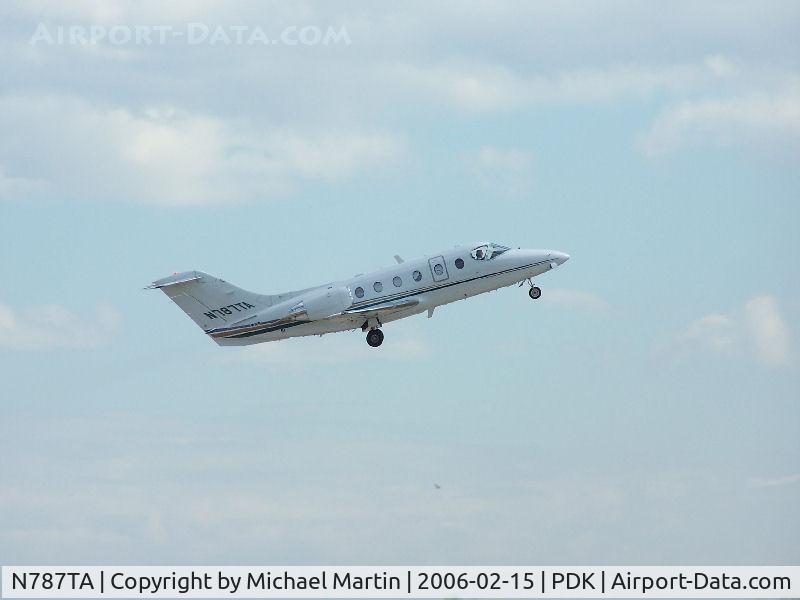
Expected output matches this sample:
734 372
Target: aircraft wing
378 310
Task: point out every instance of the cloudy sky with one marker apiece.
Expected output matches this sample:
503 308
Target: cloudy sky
645 410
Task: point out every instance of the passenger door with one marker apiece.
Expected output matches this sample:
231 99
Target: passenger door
438 268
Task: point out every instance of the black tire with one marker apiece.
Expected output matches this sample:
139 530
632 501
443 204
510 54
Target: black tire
375 337
534 292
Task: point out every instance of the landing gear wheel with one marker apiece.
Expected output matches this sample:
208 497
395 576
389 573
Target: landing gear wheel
534 292
375 337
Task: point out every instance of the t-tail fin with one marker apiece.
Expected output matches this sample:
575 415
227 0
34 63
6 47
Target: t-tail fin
210 302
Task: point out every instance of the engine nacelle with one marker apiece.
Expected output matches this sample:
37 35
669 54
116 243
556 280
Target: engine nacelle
313 305
326 302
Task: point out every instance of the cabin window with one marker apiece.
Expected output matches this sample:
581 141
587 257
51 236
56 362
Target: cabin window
416 275
360 292
397 282
377 286
459 263
488 251
438 269
497 250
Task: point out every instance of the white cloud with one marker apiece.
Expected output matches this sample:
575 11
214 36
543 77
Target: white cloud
768 330
762 119
715 331
53 326
575 299
715 100
506 170
759 326
762 482
18 187
112 12
167 156
493 87
333 349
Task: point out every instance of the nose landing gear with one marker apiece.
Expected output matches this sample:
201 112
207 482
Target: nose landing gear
535 292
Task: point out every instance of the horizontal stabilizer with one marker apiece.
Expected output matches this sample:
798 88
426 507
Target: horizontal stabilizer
174 280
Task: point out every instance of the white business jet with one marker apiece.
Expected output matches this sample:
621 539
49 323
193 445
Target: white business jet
234 317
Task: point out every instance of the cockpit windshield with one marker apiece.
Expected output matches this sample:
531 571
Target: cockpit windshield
488 251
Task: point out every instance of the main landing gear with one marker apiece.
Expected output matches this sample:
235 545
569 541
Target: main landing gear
375 337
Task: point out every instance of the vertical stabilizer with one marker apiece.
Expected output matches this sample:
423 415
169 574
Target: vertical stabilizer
209 301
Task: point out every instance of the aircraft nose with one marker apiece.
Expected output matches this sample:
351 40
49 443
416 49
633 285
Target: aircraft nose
560 257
